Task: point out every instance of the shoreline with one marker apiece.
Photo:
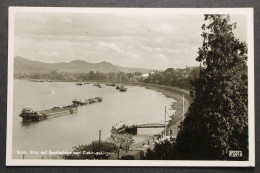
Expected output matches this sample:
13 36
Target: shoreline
176 94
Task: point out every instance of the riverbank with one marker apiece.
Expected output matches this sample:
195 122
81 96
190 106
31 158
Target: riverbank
176 94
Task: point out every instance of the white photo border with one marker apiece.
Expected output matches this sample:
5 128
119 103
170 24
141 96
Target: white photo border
167 163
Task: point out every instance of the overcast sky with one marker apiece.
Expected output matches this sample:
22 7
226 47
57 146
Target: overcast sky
147 41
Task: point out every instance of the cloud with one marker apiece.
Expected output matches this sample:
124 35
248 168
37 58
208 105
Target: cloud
162 57
147 41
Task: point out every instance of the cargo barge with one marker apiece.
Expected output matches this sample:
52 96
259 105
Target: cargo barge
80 102
29 114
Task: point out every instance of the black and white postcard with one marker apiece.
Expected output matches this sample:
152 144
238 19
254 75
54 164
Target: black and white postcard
130 87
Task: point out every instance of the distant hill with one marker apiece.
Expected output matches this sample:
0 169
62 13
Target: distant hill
25 65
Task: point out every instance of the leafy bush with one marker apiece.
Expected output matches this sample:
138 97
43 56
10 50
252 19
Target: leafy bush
163 151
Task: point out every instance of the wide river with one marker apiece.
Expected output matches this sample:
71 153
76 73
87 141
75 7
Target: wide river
136 106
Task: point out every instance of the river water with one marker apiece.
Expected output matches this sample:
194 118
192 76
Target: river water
136 106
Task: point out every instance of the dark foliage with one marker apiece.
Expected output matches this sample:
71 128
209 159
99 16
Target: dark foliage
217 120
174 77
163 151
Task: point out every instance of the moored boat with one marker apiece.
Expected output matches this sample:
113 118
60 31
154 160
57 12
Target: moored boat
98 99
87 101
80 83
80 102
92 100
120 127
36 80
29 114
39 80
123 89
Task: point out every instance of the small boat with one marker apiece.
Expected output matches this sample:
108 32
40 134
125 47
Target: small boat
117 87
99 86
80 83
29 114
120 127
123 89
33 80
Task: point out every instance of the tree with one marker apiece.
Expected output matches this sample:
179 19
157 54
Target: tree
163 151
123 141
91 75
217 120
